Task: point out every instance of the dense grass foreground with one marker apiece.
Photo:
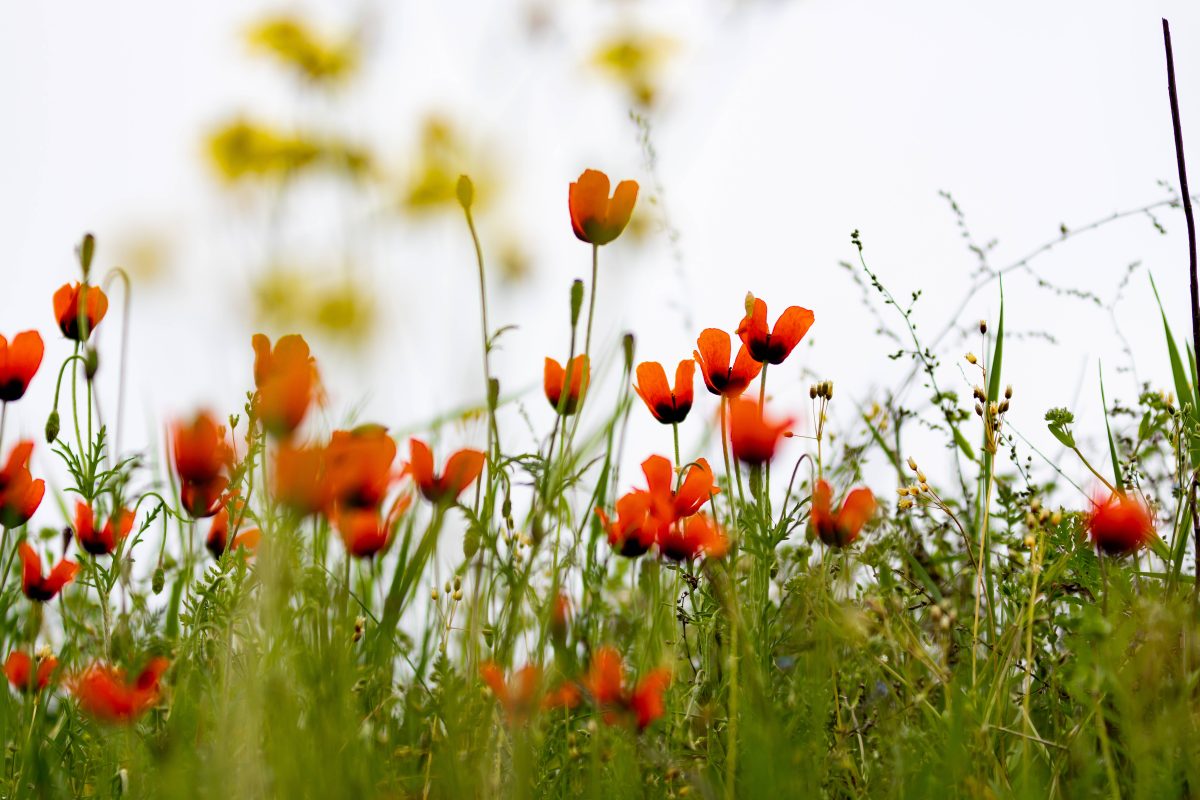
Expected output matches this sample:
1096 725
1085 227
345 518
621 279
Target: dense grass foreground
260 608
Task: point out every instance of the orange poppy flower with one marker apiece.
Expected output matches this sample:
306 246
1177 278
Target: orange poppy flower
635 528
104 692
365 532
19 670
218 536
698 536
695 490
1120 524
669 406
772 346
516 699
605 682
37 587
462 469
287 382
752 437
201 454
358 466
67 309
20 494
554 377
300 477
720 377
841 528
103 541
595 217
19 362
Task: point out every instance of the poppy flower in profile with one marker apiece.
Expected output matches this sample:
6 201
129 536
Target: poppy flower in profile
698 536
101 541
462 469
104 692
1120 524
68 301
34 584
752 437
597 218
669 406
635 529
605 682
300 480
287 382
20 494
554 378
366 532
772 346
695 490
21 674
218 536
841 528
201 455
722 378
19 362
358 467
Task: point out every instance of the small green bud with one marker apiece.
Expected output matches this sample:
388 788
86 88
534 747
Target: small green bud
465 190
53 426
85 251
91 363
576 301
160 578
493 398
627 344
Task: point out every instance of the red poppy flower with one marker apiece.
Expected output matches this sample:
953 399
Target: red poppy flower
300 478
202 500
19 670
67 301
1121 524
103 541
201 454
773 346
367 532
554 377
695 490
713 357
841 528
669 406
37 587
752 436
698 536
104 692
287 382
218 536
635 528
595 217
19 362
605 681
462 469
20 494
358 466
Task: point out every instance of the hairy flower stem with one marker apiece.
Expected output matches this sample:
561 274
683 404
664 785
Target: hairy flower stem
587 339
728 466
493 433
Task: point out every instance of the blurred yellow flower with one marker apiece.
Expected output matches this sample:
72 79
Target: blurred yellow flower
441 157
243 149
295 45
635 60
294 298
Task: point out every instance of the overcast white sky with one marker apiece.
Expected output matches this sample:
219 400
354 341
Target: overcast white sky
785 124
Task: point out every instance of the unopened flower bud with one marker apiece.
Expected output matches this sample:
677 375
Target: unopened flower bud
912 464
971 359
91 363
53 425
749 303
85 251
465 191
576 301
158 581
627 343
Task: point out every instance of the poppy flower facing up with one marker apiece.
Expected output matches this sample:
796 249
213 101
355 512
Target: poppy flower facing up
218 536
634 530
20 494
670 505
722 378
605 682
772 346
554 378
201 456
670 406
462 469
103 691
21 674
752 436
287 382
840 529
34 584
595 217
102 541
19 362
698 536
67 302
1121 524
358 467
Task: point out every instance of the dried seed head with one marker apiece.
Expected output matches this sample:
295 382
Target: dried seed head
905 504
924 486
921 477
1008 392
457 583
812 392
434 594
1056 518
979 409
971 359
912 464
902 491
457 595
983 326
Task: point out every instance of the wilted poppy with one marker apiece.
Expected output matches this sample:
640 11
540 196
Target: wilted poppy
287 381
104 692
841 528
694 491
20 494
21 674
720 377
605 682
698 536
752 436
358 466
635 529
669 405
595 217
1121 524
37 587
218 536
19 362
67 302
772 346
101 541
300 478
554 378
462 469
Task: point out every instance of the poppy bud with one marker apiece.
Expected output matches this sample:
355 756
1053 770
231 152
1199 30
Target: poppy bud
85 251
576 301
749 303
159 579
91 363
53 426
493 393
465 191
627 343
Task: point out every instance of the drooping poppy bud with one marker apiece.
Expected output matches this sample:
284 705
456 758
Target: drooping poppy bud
840 529
669 406
19 362
721 378
555 378
772 346
595 217
1120 524
752 437
77 324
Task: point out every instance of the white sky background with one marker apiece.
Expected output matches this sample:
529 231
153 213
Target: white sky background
785 124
